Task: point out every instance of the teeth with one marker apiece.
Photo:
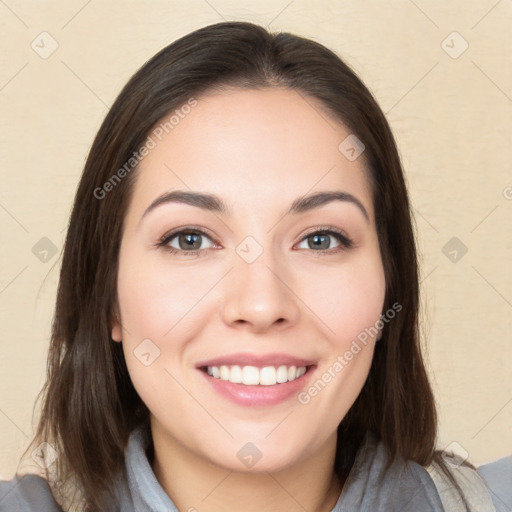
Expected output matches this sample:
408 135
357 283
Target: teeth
224 373
268 376
250 375
282 374
253 376
235 375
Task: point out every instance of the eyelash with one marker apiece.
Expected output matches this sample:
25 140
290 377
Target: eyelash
344 241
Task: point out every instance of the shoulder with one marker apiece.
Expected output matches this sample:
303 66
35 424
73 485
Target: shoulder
474 489
379 484
498 476
28 493
376 483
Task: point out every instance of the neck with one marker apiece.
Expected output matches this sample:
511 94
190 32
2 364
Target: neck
195 484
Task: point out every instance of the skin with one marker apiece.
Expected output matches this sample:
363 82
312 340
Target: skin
258 150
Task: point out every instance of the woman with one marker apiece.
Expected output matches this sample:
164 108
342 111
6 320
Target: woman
236 325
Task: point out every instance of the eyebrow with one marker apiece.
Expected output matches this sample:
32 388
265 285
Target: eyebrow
213 203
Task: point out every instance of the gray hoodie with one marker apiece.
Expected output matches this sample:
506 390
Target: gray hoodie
404 487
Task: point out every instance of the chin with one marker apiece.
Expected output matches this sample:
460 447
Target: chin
256 457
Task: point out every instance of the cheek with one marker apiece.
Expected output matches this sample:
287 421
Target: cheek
346 301
155 297
160 308
349 302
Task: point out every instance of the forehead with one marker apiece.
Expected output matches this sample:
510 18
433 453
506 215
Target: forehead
260 148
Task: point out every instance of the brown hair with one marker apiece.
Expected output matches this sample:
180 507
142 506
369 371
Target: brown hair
89 404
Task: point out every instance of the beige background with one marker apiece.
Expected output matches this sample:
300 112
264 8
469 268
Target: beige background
451 117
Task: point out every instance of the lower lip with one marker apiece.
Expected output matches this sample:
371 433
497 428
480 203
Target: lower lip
259 395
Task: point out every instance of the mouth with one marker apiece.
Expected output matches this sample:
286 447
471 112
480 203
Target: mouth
254 376
250 380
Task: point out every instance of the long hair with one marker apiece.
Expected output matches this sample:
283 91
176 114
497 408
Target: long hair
89 405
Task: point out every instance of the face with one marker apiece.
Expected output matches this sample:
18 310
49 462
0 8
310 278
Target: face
239 312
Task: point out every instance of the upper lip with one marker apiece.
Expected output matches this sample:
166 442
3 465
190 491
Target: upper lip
257 360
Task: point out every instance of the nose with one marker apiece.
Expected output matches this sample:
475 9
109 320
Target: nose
259 296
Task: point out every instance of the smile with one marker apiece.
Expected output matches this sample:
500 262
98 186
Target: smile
254 376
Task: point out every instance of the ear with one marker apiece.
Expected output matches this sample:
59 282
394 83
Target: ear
117 333
117 330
